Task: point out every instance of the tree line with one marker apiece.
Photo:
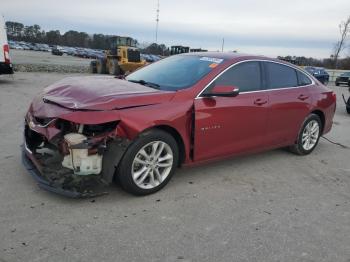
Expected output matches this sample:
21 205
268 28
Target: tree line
343 63
34 34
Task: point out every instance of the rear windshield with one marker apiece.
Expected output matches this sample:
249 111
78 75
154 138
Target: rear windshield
176 72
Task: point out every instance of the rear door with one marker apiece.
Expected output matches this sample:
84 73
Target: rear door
230 125
289 99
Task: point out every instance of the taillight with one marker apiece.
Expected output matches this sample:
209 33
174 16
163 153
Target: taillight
7 54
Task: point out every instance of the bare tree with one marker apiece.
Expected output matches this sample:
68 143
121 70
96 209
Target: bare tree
344 28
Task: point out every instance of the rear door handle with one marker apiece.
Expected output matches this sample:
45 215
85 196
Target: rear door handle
260 102
303 97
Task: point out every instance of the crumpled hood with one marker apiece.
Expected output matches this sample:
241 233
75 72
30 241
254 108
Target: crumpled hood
102 93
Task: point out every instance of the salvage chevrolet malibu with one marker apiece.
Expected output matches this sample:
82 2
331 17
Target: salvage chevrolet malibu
82 133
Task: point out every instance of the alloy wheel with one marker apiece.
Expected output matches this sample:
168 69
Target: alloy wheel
152 164
310 135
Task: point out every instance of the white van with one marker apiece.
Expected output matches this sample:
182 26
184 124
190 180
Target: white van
5 61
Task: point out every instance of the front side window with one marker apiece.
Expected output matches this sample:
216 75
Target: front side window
246 76
281 76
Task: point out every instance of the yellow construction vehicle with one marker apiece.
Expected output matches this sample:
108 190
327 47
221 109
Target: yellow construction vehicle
123 57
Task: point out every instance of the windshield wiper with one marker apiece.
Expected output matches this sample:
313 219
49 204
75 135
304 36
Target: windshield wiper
145 83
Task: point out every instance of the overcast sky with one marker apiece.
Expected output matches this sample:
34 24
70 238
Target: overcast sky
269 27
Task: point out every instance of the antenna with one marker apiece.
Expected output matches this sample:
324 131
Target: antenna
157 22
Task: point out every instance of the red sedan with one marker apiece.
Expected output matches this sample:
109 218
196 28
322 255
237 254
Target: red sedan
84 132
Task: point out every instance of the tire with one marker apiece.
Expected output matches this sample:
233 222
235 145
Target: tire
93 67
101 66
129 171
300 149
114 68
337 84
348 109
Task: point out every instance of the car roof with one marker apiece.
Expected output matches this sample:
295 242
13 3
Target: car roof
232 56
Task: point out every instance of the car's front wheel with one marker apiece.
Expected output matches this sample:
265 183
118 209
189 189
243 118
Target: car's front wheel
308 136
149 163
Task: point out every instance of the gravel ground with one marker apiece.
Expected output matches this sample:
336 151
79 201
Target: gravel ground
36 61
273 206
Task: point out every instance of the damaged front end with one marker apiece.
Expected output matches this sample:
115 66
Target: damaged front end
76 160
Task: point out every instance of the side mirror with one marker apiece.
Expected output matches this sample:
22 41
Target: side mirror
224 91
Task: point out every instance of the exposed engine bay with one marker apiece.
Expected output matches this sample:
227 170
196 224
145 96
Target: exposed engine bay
71 156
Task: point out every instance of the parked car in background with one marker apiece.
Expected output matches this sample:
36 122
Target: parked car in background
24 45
80 52
185 109
150 58
16 46
146 58
343 79
5 60
71 51
56 51
319 73
45 48
155 58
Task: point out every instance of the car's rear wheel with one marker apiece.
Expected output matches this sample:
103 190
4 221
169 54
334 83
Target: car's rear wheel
149 163
308 136
337 84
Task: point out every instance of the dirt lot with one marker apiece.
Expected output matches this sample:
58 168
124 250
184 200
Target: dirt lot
272 206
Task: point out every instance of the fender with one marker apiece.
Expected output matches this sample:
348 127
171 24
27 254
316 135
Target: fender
138 120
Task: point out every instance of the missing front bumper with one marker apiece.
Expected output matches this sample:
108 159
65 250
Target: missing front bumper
92 188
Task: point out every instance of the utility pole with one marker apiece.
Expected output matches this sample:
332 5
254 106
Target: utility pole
157 22
223 44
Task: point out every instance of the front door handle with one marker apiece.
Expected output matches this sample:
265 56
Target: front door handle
303 97
260 102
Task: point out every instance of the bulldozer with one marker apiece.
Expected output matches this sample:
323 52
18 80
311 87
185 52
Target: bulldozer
123 57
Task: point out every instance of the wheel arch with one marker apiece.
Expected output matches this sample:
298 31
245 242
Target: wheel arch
176 135
321 115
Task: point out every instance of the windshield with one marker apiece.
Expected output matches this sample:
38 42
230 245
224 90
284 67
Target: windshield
345 74
176 72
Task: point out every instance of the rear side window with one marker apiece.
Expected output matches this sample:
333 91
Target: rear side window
246 76
281 76
303 79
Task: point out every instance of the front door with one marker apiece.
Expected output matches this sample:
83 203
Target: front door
232 125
